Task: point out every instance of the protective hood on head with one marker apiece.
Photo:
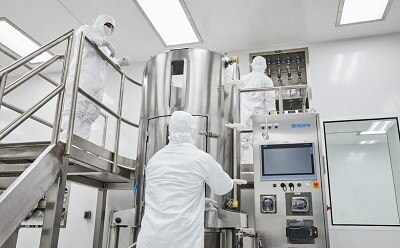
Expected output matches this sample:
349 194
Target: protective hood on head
100 21
259 64
181 127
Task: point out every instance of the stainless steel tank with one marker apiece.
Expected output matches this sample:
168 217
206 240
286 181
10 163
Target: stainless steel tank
191 80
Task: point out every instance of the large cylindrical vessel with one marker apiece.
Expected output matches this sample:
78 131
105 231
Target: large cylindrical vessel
191 80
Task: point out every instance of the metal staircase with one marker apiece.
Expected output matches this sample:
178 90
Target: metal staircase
30 170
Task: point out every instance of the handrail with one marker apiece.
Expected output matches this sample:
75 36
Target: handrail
3 81
280 96
289 87
21 111
77 90
35 71
59 90
13 125
31 73
118 128
14 57
109 61
32 55
103 106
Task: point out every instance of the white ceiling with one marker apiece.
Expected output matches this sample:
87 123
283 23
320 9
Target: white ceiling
224 25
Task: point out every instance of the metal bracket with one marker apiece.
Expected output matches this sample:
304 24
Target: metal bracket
209 134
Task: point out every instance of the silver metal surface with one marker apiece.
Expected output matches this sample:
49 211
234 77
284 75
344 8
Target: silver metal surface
54 206
126 218
75 88
118 128
87 163
18 82
103 139
99 218
202 93
8 129
103 106
272 226
33 117
60 100
3 80
279 91
12 240
39 176
29 57
15 56
228 219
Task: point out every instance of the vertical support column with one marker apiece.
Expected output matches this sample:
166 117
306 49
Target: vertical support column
71 121
118 128
305 95
99 220
236 162
54 206
60 100
12 240
114 237
103 140
280 101
3 79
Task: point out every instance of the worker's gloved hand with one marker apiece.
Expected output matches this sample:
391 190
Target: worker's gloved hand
110 47
124 61
210 205
239 181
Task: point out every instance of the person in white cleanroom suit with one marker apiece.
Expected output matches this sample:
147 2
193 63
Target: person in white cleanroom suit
92 75
255 102
175 189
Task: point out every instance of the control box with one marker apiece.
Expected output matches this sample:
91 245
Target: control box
289 201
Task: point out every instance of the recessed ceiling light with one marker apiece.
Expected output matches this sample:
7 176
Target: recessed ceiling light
378 127
16 40
368 142
171 20
372 132
358 11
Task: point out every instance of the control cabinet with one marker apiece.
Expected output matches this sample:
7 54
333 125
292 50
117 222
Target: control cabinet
289 202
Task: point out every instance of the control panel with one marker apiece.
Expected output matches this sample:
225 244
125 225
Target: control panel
287 181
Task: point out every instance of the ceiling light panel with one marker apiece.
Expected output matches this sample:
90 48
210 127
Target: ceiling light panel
19 42
171 20
358 11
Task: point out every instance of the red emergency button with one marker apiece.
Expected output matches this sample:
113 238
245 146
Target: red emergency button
316 184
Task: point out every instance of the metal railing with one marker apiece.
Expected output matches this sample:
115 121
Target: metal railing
60 90
77 90
280 91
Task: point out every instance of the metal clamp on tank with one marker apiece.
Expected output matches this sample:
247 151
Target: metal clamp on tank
301 232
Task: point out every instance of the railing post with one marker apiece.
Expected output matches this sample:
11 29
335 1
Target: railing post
72 112
3 79
36 53
60 100
13 125
305 95
280 101
17 83
118 128
103 141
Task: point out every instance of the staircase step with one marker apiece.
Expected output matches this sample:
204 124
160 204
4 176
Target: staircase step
21 152
7 170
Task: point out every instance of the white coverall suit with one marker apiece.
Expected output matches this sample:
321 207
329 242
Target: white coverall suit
175 190
92 75
255 102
